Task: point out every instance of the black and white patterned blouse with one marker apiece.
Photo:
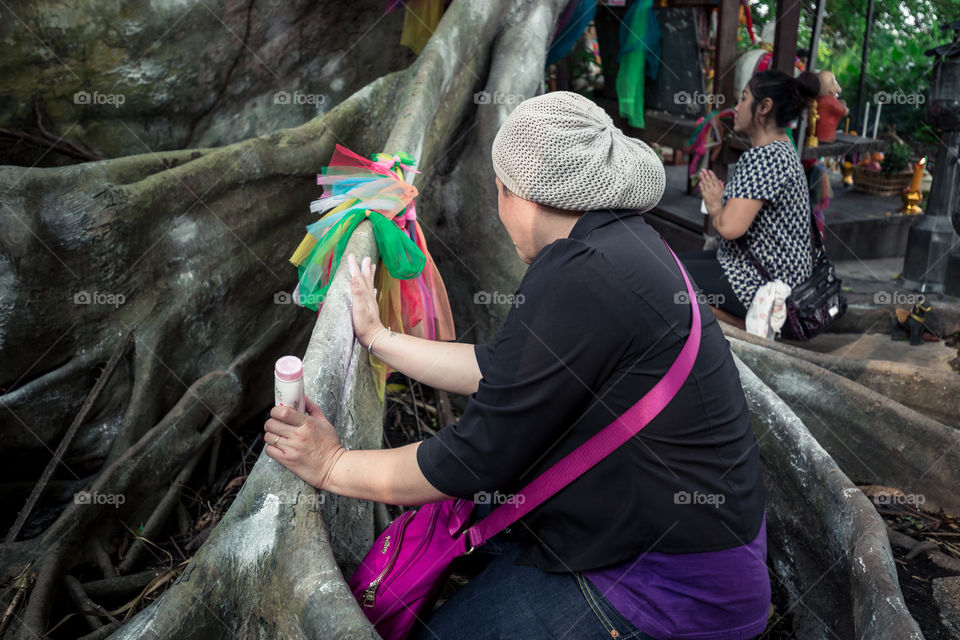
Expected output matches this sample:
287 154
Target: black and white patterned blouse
780 234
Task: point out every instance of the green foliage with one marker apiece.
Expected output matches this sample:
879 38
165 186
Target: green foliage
897 71
896 158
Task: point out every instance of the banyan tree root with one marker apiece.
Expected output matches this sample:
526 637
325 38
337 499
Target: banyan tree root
934 393
874 439
826 543
76 536
187 250
202 332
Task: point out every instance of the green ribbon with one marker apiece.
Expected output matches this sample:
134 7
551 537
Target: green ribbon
400 255
405 158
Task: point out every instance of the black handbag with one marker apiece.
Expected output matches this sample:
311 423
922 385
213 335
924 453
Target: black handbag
817 302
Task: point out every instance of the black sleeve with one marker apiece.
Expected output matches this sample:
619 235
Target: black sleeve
552 354
483 353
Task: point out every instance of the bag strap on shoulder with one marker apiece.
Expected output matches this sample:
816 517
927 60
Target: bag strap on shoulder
818 247
598 447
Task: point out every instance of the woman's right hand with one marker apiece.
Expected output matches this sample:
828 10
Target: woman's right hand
711 188
364 308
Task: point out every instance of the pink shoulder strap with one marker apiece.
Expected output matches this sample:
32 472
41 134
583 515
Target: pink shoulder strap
578 461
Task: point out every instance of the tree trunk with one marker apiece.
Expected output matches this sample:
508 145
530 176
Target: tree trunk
187 250
109 80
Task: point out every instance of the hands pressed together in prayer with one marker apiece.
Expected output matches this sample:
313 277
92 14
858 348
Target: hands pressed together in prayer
711 187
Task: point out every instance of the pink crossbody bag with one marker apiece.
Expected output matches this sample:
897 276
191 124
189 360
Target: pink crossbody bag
400 577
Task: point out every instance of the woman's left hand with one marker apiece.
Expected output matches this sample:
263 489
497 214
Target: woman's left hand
364 308
711 187
307 444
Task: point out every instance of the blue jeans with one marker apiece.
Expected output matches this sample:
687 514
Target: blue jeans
511 601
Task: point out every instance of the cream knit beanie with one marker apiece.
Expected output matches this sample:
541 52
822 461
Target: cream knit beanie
562 150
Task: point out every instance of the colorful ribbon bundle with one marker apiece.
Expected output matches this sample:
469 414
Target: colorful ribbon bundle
411 295
706 136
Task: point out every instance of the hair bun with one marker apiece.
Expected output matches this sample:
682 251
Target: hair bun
808 86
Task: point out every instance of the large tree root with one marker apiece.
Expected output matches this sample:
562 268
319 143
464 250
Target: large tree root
936 394
76 536
268 569
874 439
303 594
191 313
826 543
196 242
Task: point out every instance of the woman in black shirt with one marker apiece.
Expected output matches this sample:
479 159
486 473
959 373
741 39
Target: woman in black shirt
599 317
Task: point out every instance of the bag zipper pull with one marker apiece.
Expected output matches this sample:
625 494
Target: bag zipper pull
370 595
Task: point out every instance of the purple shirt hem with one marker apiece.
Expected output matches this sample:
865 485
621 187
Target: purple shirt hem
692 596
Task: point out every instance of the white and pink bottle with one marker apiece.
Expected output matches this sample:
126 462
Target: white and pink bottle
288 383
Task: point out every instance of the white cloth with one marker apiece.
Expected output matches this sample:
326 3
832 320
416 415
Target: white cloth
768 311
